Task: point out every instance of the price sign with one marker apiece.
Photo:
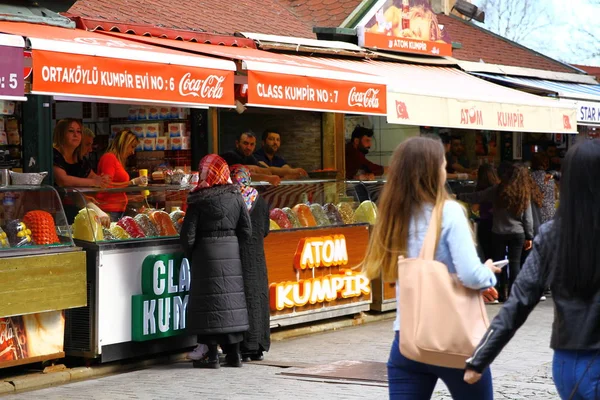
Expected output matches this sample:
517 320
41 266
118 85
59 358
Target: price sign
11 72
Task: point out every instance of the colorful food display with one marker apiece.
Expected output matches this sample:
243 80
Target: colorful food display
18 234
131 227
3 240
118 232
278 216
366 212
177 219
292 217
146 224
346 212
87 226
333 214
319 214
42 227
273 225
305 216
163 223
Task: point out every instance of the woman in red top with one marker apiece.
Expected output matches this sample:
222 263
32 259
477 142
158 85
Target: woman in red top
112 164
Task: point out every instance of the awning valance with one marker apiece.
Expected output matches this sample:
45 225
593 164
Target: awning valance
587 96
447 97
81 64
293 82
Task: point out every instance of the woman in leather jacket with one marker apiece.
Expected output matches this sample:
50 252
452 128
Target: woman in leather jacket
566 257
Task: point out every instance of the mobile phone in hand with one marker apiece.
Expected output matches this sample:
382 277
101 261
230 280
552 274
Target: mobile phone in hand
500 264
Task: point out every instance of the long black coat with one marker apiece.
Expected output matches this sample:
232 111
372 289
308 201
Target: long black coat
256 282
216 217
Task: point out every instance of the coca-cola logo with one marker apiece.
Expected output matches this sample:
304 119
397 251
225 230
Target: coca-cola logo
6 332
367 99
209 88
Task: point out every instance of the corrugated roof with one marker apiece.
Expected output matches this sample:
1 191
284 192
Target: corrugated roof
265 16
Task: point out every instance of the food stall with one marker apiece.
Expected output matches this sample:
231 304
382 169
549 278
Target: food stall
319 236
125 316
41 270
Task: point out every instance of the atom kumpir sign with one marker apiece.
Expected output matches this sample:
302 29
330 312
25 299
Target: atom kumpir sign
160 311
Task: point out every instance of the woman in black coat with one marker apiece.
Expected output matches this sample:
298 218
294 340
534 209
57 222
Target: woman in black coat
254 266
216 219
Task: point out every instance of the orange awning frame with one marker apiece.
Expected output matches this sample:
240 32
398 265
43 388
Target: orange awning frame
81 64
292 82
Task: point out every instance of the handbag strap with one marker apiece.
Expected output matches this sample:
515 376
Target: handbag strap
432 236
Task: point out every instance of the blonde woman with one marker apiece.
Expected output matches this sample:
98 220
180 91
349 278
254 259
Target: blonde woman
72 170
112 164
415 185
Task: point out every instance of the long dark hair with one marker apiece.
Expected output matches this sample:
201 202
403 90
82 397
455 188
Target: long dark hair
514 191
578 219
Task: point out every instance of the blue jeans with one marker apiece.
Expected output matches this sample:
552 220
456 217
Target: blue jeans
569 368
411 380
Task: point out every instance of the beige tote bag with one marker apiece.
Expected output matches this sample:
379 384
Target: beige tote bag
441 320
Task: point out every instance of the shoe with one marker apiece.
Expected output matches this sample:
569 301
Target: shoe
198 353
207 362
543 298
234 360
257 356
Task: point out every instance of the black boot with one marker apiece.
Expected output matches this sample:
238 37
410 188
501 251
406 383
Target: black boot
233 357
210 360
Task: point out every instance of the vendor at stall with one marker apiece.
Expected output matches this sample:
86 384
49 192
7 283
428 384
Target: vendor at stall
267 157
243 155
456 162
71 169
112 164
357 164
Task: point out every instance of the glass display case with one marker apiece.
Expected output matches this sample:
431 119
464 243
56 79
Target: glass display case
125 231
125 214
32 221
43 273
319 235
317 203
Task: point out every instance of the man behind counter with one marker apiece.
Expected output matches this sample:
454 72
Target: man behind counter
456 162
242 154
267 157
357 165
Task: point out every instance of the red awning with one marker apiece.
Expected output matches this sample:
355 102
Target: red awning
292 82
81 64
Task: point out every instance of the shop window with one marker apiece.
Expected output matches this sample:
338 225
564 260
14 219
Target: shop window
102 110
86 109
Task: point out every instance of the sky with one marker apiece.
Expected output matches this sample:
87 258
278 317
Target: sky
562 39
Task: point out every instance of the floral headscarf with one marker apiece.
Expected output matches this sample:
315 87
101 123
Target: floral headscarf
213 171
240 175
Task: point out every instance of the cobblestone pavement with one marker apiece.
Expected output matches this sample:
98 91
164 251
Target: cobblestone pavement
523 371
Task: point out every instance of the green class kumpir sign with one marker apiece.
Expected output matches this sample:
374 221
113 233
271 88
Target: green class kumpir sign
160 311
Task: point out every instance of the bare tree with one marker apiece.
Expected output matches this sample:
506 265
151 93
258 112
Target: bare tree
590 43
516 20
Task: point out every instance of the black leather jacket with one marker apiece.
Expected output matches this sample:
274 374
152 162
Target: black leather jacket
576 322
